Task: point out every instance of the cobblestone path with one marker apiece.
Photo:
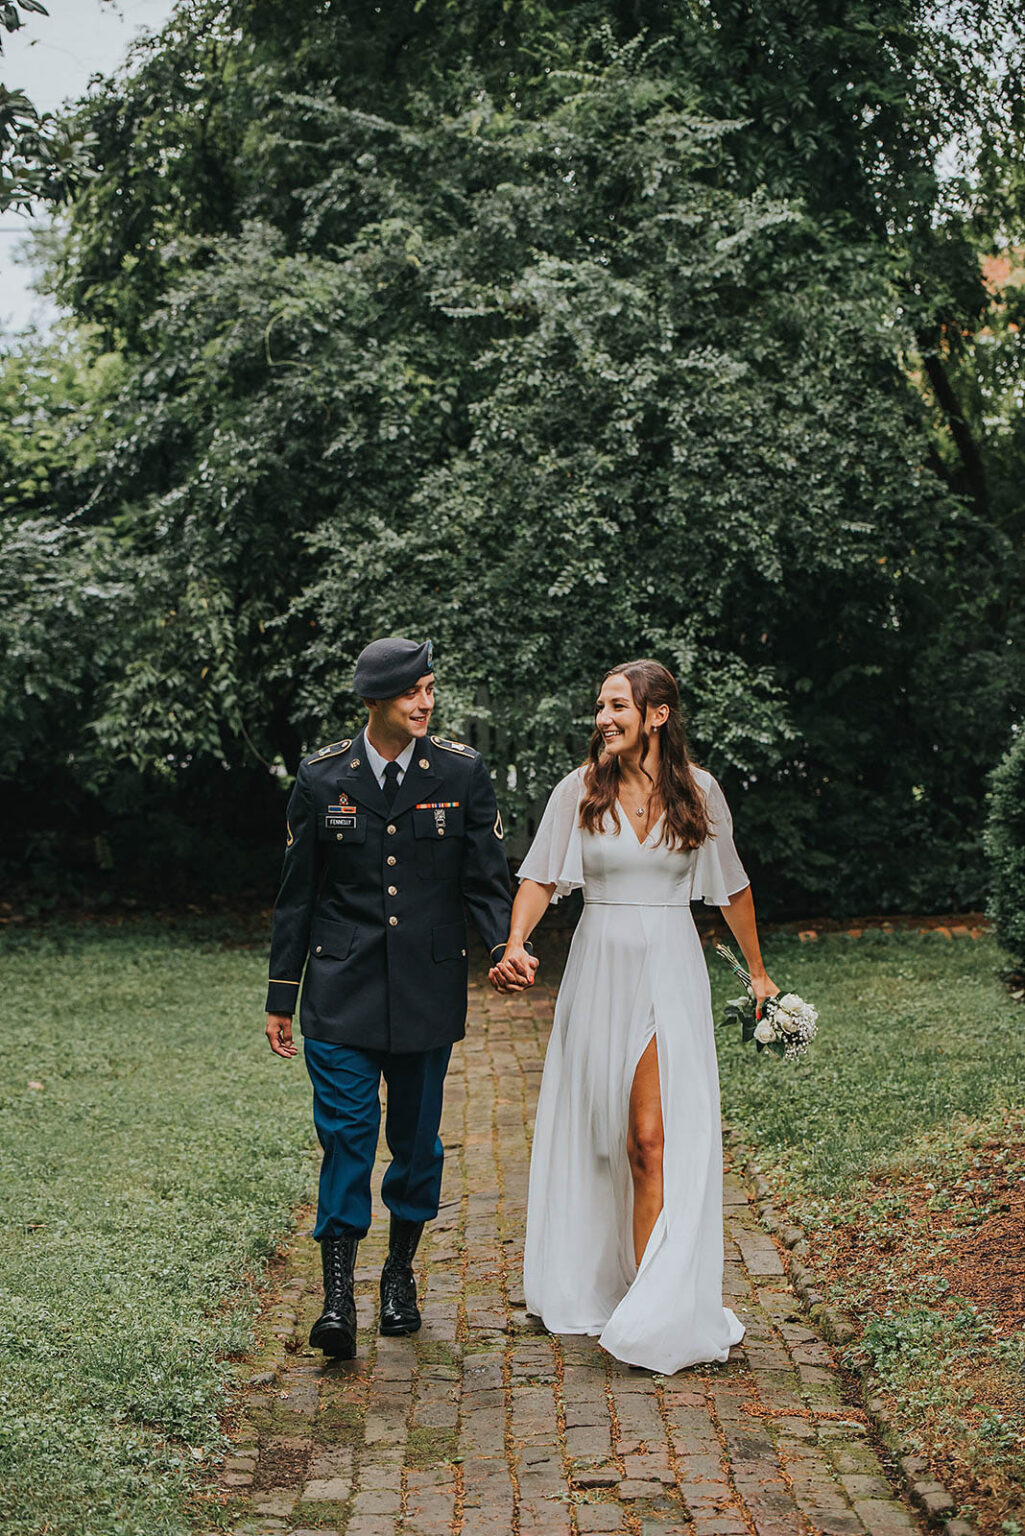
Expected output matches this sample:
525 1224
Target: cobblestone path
483 1424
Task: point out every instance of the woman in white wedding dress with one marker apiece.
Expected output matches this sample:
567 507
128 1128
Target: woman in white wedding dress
624 1213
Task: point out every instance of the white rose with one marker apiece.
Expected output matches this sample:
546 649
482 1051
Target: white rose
786 1021
791 1002
764 1032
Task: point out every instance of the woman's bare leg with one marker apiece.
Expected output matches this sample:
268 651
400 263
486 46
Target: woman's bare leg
644 1142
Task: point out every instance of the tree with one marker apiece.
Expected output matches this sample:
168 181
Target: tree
41 157
480 325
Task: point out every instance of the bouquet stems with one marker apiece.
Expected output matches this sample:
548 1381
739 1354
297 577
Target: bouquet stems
734 964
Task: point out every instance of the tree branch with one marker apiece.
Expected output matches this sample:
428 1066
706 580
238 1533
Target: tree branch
971 458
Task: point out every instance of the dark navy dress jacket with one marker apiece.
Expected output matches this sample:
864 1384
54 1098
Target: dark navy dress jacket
372 902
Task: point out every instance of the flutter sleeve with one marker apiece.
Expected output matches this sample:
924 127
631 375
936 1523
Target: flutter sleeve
718 872
555 857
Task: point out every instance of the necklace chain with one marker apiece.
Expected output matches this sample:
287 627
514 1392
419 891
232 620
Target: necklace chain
642 810
645 808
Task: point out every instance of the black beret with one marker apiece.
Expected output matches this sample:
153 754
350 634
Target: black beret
386 668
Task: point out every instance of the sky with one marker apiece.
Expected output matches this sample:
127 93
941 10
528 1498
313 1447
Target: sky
52 58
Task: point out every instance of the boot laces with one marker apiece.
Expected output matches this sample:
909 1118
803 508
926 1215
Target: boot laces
337 1267
399 1279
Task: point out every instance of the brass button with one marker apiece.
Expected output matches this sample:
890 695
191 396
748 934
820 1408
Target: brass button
392 860
424 762
391 829
394 922
393 890
320 949
441 831
339 835
462 952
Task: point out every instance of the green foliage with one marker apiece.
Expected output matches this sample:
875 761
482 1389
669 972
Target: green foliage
41 156
546 330
742 1011
899 1345
57 582
150 1153
739 1010
1005 847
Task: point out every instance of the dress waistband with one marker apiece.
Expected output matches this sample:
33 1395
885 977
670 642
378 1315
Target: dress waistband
595 901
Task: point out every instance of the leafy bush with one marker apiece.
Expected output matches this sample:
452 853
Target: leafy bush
1005 847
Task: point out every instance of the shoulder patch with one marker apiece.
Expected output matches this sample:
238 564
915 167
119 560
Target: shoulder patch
331 751
453 746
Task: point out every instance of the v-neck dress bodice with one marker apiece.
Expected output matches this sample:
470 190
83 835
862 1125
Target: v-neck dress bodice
620 870
635 970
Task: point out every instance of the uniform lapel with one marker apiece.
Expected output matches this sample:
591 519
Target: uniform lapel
418 782
357 778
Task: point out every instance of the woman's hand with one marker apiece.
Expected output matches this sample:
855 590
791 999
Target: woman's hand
740 917
514 971
762 986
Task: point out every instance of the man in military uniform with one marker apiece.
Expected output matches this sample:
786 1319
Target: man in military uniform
388 835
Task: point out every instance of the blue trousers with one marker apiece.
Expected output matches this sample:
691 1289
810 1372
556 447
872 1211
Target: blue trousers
347 1114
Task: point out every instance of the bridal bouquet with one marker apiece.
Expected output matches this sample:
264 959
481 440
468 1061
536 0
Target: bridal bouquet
787 1023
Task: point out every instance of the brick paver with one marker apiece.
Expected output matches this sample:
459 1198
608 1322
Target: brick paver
484 1424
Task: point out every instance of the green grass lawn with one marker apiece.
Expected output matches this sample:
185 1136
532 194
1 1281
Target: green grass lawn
140 1186
898 1143
147 1178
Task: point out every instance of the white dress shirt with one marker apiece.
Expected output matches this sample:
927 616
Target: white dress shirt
379 763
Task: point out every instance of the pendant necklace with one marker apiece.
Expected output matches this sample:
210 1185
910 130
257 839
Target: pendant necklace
642 810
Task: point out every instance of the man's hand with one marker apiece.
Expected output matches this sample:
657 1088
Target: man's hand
514 971
279 1034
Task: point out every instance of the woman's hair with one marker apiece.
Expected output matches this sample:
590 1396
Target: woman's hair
686 820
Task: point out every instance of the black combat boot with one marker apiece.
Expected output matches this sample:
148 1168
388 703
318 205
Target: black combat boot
399 1311
335 1329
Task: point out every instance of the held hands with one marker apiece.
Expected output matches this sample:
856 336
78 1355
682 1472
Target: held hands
279 1035
514 971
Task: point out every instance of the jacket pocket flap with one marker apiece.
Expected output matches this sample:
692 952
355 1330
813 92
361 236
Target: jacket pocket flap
330 938
448 941
441 822
341 826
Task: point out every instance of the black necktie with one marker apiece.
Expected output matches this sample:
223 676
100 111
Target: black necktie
391 783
